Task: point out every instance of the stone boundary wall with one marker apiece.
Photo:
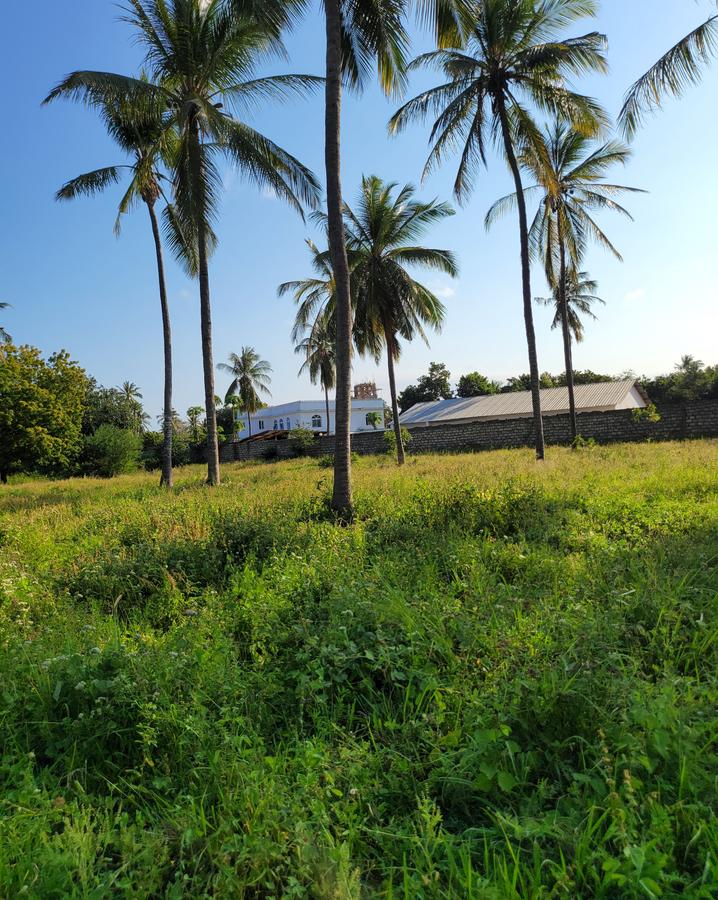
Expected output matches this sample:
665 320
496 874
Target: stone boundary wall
698 419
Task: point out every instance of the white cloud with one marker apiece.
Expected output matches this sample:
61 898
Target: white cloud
445 291
634 295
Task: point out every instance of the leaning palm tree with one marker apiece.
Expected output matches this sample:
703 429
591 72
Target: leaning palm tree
514 56
4 336
251 375
319 349
567 170
359 33
390 304
138 129
676 70
202 56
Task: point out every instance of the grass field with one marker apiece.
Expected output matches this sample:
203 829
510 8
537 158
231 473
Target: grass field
500 682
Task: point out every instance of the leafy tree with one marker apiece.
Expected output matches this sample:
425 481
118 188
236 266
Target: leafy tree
202 57
41 407
319 350
111 451
523 383
375 419
194 414
677 69
110 406
390 304
583 377
514 55
436 385
4 336
690 380
476 385
567 169
251 375
138 130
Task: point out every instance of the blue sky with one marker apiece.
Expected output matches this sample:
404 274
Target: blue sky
73 285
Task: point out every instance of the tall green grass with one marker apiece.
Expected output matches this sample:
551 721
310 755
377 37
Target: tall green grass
500 682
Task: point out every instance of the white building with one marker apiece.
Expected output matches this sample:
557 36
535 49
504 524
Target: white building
309 414
599 397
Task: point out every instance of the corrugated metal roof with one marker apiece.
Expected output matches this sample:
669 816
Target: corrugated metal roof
599 396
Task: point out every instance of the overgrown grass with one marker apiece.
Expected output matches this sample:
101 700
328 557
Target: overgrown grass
500 682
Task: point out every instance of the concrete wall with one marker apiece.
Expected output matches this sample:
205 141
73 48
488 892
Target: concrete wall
678 421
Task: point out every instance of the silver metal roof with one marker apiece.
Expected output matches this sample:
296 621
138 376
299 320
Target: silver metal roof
604 395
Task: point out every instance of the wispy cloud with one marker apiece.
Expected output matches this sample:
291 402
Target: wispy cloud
635 295
444 291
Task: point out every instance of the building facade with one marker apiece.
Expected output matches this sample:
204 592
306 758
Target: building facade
366 415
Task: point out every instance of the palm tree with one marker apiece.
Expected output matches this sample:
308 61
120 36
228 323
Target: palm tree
390 304
680 67
358 33
580 297
201 55
250 376
513 56
319 348
139 131
131 392
4 336
567 171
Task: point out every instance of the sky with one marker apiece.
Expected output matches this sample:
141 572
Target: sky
73 285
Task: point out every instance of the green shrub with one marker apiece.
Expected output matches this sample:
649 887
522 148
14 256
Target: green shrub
647 414
303 440
390 440
111 451
152 450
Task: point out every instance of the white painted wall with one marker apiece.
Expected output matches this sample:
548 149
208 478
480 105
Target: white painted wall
310 414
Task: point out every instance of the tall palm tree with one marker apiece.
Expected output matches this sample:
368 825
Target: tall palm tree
251 375
567 169
676 70
514 55
4 336
359 33
390 304
202 55
319 349
138 129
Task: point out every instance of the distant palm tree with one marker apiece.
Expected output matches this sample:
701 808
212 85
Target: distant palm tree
202 55
319 348
580 298
131 392
4 336
138 129
567 170
390 304
514 54
676 70
313 296
251 375
193 417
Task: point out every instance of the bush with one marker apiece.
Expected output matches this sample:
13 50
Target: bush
111 451
302 440
648 414
152 450
390 440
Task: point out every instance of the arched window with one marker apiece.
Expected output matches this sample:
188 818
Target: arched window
275 425
281 424
289 424
261 424
316 421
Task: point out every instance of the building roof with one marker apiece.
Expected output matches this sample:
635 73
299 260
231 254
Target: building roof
601 396
310 406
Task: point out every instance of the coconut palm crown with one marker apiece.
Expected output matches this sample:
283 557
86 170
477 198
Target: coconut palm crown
251 376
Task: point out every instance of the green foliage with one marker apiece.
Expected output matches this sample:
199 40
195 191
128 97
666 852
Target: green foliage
375 419
111 451
303 439
476 385
497 682
152 449
41 406
647 414
111 406
390 440
690 380
435 385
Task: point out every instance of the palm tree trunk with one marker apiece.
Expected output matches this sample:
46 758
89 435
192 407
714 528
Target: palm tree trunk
565 328
326 400
166 477
526 279
213 476
389 341
3 476
342 501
